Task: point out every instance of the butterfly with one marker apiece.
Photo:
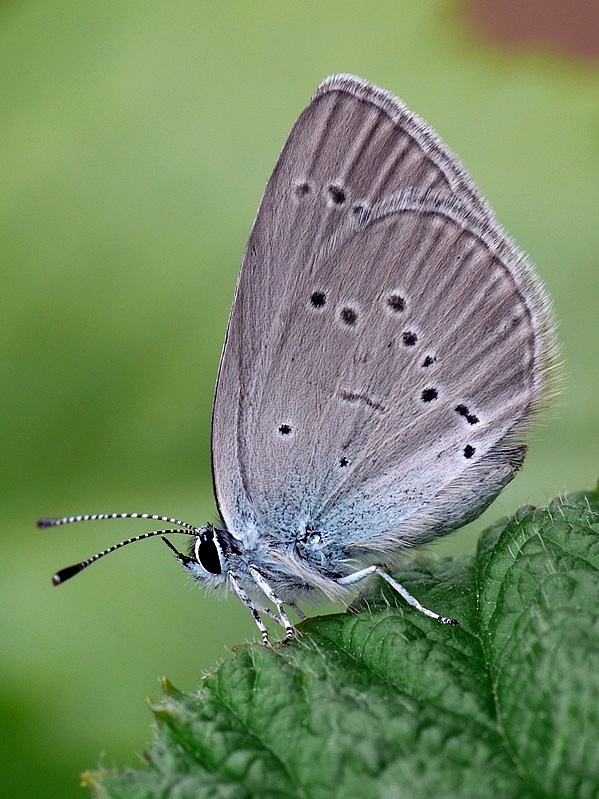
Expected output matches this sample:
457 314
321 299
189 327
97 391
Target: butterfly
387 348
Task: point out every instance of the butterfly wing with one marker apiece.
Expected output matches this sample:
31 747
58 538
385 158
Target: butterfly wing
435 392
350 314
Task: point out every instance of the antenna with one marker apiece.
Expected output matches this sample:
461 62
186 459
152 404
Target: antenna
70 571
93 517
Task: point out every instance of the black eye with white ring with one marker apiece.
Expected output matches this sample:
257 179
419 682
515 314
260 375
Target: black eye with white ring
208 552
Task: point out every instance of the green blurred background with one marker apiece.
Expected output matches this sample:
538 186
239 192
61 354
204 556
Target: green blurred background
136 139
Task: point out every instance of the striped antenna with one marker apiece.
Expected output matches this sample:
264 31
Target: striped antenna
70 571
94 517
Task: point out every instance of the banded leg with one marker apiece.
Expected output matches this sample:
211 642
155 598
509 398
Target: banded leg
277 602
298 610
356 577
251 607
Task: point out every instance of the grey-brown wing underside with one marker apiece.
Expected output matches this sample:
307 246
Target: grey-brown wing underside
337 406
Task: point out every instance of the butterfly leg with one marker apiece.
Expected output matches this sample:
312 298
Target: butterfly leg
277 602
356 577
251 607
298 610
267 612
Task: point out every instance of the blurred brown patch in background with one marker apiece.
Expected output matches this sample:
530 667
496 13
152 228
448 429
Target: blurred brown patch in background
568 26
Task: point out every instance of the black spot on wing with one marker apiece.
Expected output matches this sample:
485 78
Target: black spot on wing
463 410
318 299
348 316
429 394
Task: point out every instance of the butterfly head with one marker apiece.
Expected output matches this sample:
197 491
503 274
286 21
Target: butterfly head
209 555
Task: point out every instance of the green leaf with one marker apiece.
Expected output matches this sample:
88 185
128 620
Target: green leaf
384 702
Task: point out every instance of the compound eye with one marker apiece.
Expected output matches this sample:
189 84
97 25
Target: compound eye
208 553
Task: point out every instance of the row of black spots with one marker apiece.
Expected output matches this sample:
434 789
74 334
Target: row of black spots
347 315
395 302
334 192
431 394
463 411
336 196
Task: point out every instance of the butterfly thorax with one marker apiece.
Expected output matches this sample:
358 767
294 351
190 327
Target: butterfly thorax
302 564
